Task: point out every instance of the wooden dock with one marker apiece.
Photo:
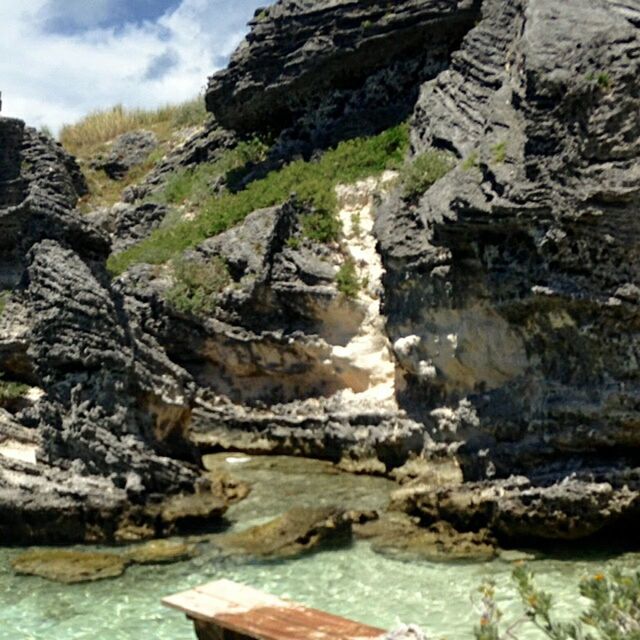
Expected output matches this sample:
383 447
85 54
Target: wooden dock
225 610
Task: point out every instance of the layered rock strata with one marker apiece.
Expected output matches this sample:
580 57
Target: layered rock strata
511 285
106 396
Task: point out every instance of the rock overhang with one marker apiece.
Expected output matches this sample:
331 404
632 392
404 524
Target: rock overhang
299 50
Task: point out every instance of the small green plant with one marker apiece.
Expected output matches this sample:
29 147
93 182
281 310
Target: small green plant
197 285
472 161
424 171
293 242
613 612
499 152
347 279
602 79
4 298
367 24
11 391
356 224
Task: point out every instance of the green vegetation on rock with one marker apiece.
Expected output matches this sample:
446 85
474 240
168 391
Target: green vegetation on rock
424 171
472 161
313 182
347 279
499 152
197 285
4 298
193 185
11 391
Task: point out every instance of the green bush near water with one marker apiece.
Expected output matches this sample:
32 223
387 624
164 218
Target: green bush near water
613 612
313 182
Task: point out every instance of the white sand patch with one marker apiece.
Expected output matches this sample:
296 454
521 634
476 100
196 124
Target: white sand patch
369 350
19 451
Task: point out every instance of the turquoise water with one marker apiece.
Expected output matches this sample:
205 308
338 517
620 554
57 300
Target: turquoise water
354 581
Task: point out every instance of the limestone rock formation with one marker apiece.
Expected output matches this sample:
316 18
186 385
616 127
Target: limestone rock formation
107 399
489 357
299 51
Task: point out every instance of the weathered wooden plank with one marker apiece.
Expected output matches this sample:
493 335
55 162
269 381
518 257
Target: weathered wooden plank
246 612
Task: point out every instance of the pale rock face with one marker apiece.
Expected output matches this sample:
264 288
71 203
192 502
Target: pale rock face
369 349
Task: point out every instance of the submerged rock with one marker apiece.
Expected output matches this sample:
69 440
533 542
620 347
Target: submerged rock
69 567
400 536
161 552
298 531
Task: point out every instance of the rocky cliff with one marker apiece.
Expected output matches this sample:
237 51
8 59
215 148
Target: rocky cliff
465 321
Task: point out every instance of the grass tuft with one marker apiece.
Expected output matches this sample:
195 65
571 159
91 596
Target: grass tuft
347 279
85 137
11 391
424 171
499 152
472 161
313 183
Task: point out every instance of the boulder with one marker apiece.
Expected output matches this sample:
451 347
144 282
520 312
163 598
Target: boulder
517 510
69 567
298 52
127 151
400 536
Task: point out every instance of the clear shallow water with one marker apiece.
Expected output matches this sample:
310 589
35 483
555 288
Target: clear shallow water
354 581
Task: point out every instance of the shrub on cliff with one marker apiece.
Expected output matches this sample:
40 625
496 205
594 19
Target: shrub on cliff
424 171
11 391
314 183
197 285
347 279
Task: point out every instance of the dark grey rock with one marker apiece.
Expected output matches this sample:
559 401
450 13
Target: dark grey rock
298 52
127 151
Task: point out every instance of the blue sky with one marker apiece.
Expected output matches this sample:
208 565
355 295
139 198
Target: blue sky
61 59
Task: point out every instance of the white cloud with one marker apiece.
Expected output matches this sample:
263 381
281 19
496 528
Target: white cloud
50 79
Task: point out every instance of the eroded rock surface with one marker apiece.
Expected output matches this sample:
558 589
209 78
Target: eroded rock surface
69 567
399 536
107 398
509 285
490 359
299 52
